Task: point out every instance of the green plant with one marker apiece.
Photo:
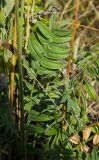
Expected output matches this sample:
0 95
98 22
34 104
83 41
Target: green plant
52 87
46 107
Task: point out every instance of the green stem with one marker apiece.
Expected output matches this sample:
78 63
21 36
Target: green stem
19 22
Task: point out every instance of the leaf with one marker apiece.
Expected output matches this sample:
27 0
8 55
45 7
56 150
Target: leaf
57 49
7 56
30 71
53 94
58 39
50 64
85 148
34 129
95 129
53 51
28 107
37 46
95 154
55 55
37 116
2 19
52 21
28 85
86 133
41 38
65 126
90 90
35 64
44 30
61 33
75 139
8 6
31 49
96 140
42 71
64 23
51 132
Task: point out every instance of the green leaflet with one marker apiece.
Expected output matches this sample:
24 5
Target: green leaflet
51 132
42 70
34 129
61 33
28 85
55 52
41 38
56 49
2 19
90 90
31 49
37 47
8 6
37 116
30 71
59 39
35 64
53 94
44 30
54 55
64 23
95 129
95 154
52 21
51 64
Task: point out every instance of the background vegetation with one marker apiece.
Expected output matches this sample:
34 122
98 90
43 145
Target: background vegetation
49 83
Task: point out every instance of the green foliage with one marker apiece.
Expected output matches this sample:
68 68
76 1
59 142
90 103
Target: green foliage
2 19
55 104
92 156
90 90
7 5
48 48
44 48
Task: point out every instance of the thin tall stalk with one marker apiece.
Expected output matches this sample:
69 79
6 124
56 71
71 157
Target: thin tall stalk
73 36
27 25
19 26
13 68
70 55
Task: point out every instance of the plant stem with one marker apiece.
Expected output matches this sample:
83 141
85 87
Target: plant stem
73 37
13 68
27 25
65 9
19 22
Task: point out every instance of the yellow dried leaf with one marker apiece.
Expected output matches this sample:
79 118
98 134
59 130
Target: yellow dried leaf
86 133
84 148
75 139
96 140
65 126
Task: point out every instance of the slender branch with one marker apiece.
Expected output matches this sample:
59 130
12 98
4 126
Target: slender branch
28 25
19 43
13 69
64 10
73 36
88 27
